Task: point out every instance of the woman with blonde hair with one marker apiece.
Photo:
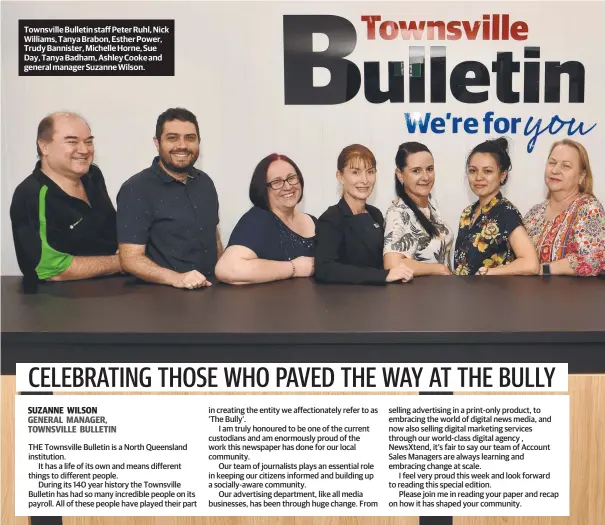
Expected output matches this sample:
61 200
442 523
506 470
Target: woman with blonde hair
568 228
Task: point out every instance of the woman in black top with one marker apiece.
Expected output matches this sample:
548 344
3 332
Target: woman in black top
273 240
350 234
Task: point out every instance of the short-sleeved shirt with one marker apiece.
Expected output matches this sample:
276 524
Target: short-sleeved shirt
175 221
269 238
486 241
50 227
404 234
576 234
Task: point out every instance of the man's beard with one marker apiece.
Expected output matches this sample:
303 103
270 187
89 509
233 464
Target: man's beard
177 169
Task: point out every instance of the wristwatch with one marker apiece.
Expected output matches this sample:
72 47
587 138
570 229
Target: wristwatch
546 269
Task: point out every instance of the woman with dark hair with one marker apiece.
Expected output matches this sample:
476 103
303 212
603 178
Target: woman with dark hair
491 237
414 230
350 234
273 240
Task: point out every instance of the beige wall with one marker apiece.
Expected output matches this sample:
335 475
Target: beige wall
229 72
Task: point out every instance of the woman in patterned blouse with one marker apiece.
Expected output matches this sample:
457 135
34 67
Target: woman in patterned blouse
491 237
568 229
415 233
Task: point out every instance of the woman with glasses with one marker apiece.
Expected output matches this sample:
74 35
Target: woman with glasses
273 240
350 234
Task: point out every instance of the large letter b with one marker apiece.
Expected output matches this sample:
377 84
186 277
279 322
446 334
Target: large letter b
299 60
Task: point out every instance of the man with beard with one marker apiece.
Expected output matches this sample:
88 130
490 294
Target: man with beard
63 221
168 213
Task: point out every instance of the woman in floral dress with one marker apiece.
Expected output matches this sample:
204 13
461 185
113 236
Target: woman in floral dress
491 237
568 229
415 232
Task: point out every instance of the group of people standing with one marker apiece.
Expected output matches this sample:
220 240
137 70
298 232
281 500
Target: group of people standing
165 229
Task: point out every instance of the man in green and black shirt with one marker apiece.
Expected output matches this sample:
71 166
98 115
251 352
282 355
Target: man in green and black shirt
64 223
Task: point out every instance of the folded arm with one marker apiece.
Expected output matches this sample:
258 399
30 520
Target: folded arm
586 250
135 261
526 258
393 259
240 265
87 267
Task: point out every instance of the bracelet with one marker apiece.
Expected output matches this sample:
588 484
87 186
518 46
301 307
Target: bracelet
293 270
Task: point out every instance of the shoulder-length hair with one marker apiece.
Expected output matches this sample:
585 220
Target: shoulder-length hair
258 185
587 183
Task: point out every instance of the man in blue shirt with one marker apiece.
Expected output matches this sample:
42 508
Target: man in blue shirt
168 213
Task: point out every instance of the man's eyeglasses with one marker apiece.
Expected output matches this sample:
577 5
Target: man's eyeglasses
278 184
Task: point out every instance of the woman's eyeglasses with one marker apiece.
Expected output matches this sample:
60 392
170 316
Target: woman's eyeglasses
278 184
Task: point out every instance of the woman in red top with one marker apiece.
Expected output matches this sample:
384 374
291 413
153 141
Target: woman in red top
568 229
